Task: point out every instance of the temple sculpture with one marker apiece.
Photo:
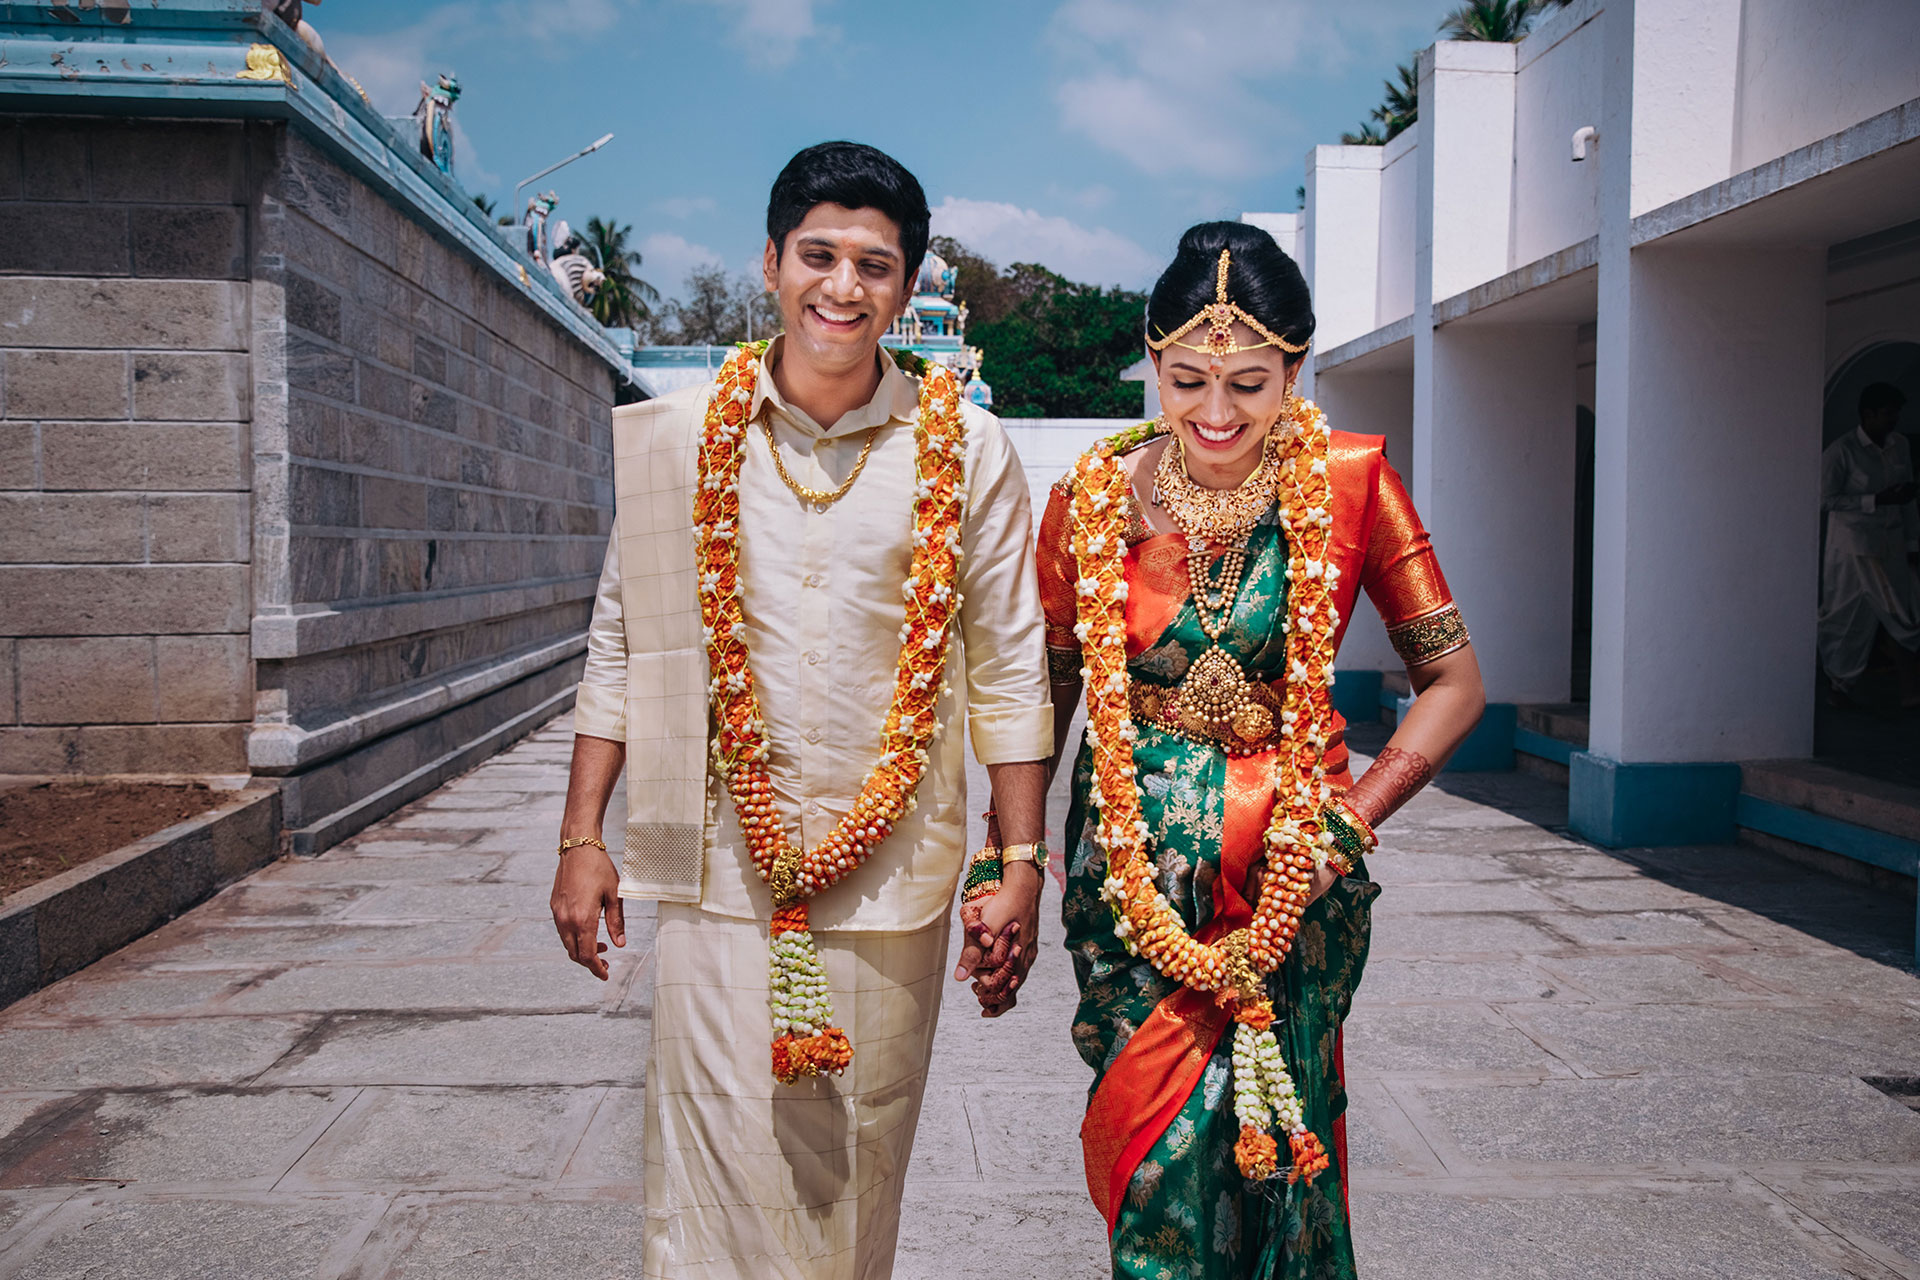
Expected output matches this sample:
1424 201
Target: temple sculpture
935 326
435 114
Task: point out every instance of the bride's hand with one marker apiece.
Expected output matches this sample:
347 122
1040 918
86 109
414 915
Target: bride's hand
1323 878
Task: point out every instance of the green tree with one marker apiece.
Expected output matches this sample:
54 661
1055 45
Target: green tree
1498 21
625 300
1059 347
1365 136
716 309
1400 108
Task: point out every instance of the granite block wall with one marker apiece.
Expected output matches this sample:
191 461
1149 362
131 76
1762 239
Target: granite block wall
125 500
290 484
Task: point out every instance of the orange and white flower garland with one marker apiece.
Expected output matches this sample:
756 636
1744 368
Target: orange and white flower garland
805 1041
1235 967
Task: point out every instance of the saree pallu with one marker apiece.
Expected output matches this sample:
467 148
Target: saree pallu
1159 1133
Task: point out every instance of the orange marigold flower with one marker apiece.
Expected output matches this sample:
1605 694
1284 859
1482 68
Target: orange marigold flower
1257 1154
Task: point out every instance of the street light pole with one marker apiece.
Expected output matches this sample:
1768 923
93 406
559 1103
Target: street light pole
584 151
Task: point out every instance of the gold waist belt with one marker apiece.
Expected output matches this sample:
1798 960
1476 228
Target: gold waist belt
1254 727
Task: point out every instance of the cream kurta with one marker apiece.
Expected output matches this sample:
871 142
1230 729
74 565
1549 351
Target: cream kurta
748 1179
821 588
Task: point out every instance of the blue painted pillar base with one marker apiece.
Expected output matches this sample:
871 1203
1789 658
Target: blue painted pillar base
1489 748
1620 805
1356 695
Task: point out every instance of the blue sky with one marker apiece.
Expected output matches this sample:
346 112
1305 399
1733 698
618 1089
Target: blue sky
1084 134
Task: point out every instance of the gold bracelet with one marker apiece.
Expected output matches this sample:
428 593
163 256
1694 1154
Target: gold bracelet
576 841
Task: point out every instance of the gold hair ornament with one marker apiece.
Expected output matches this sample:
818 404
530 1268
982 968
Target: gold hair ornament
1219 316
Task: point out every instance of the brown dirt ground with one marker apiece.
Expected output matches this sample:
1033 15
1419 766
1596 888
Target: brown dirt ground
51 827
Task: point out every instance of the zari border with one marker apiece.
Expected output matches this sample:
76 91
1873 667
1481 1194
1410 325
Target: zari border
1430 636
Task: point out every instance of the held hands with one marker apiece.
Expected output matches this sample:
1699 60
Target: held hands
1002 934
585 885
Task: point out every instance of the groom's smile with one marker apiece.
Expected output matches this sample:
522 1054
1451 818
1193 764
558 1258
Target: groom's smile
841 277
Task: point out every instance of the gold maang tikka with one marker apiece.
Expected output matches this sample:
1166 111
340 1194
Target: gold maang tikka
1219 316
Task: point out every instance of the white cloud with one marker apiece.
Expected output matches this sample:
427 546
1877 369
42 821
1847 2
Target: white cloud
1198 86
665 259
770 32
392 65
685 206
1007 233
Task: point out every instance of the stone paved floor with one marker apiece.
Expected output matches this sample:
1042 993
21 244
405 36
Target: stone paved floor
1565 1063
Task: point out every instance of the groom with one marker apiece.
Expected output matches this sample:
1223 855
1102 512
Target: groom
745 1176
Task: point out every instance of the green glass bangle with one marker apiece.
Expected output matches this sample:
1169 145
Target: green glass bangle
1349 841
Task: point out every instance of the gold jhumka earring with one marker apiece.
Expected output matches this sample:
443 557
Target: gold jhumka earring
1219 316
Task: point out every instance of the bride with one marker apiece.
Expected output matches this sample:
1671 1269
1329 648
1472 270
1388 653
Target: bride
1197 573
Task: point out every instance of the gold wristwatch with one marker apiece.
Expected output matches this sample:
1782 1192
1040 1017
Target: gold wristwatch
1036 853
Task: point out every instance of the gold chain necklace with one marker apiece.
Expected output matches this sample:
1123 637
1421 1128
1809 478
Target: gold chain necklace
817 496
1224 515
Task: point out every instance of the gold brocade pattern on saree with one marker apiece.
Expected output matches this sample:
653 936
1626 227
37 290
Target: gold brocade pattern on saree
1426 638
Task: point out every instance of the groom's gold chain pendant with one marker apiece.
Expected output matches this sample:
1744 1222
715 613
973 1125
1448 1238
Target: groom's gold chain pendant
818 496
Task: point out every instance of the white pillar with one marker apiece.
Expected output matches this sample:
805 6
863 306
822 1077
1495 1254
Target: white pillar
1707 386
1496 489
1340 244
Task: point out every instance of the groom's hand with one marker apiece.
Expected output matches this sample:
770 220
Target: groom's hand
585 885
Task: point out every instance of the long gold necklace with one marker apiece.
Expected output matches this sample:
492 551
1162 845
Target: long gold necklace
1216 698
816 496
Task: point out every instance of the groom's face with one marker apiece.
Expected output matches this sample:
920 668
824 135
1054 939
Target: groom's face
841 278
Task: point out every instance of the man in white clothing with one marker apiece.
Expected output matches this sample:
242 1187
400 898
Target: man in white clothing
790 625
1868 582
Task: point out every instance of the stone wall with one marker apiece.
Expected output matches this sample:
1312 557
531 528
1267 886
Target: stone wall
124 476
295 484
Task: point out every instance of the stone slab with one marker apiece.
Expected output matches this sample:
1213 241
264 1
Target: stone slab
230 1138
555 985
1889 1218
106 1238
531 1049
452 902
1657 1121
613 1152
194 944
1393 978
1440 1040
1746 1040
1409 933
1039 1235
447 1139
1660 979
127 1054
509 1236
1665 1231
1004 1119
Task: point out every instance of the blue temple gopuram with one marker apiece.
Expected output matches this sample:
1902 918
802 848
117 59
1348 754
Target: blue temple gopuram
935 326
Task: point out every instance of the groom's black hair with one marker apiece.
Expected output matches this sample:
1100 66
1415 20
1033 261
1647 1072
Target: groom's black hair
1261 279
855 176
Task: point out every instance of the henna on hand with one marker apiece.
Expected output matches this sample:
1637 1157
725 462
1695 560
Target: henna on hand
1396 776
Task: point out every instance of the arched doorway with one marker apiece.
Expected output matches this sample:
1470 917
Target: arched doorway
1873 737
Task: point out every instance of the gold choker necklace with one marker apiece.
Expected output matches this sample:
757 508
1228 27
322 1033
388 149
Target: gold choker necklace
1221 515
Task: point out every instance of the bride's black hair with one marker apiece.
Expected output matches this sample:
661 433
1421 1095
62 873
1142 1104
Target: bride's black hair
1261 279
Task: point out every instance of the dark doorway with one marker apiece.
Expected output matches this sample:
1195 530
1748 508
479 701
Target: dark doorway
1582 554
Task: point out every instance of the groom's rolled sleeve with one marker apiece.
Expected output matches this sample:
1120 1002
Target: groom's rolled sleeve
600 706
1009 711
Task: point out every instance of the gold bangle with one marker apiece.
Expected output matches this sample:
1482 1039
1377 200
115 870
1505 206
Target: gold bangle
576 841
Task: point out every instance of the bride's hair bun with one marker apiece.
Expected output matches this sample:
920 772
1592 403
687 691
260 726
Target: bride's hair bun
1261 279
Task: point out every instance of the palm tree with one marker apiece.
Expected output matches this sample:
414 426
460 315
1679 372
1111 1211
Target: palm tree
1367 136
625 299
1498 21
1400 109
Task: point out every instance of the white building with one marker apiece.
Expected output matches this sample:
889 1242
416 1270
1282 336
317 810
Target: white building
1644 254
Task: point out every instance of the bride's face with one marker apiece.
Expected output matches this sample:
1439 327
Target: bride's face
1221 409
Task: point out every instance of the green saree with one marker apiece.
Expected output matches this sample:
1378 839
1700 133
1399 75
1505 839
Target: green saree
1186 1211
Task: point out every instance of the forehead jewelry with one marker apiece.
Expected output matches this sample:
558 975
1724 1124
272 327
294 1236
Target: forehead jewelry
1219 316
